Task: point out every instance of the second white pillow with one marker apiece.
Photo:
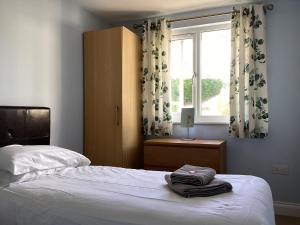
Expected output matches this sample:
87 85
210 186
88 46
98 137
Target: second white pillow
28 158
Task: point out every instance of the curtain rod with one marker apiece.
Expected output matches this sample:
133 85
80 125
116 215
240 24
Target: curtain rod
266 7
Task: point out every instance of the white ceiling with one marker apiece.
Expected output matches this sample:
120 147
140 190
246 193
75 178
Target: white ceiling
122 10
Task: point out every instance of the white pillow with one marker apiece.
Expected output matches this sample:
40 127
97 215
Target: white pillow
6 178
28 158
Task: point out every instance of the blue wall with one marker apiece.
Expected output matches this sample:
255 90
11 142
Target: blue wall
256 157
41 61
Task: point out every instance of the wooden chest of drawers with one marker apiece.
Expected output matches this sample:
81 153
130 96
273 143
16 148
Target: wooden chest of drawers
170 154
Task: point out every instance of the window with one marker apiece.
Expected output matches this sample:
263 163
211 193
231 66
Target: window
200 72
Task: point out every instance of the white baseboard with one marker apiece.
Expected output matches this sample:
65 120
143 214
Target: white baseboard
287 209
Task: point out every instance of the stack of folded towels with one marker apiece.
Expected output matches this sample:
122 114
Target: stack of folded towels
193 181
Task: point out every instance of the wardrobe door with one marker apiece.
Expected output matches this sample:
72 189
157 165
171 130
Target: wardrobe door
131 95
103 88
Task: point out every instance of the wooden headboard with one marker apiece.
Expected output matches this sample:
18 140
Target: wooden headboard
24 125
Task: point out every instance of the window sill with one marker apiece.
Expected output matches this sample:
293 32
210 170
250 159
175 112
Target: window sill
205 123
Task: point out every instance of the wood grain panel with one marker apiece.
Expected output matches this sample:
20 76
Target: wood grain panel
103 88
168 155
112 97
131 100
174 157
187 143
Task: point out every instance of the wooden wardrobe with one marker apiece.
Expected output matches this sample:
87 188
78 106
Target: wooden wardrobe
112 114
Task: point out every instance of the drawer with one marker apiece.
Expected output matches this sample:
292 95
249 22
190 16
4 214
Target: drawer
172 157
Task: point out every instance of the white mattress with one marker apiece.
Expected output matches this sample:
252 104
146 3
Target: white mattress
117 196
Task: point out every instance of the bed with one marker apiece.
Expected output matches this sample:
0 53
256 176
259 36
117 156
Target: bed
103 195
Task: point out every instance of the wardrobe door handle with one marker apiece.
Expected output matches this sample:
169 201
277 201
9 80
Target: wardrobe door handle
117 116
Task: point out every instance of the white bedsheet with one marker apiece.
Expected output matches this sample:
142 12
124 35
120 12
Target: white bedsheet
117 196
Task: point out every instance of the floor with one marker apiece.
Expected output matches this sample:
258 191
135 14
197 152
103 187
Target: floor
286 220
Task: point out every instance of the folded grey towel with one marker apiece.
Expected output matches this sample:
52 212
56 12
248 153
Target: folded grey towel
215 187
193 175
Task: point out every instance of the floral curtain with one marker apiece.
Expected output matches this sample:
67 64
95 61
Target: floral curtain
248 79
155 79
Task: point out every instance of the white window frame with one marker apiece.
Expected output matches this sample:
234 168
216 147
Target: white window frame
176 116
195 32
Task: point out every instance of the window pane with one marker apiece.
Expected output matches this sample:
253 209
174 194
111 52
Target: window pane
187 58
175 95
215 73
188 92
182 68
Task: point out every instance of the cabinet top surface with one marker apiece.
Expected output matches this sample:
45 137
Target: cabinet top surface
121 28
180 142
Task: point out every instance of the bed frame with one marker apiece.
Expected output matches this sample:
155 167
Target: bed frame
24 125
